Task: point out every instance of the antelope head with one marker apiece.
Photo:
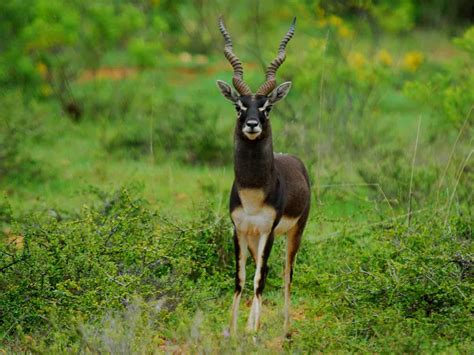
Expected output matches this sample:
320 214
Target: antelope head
253 110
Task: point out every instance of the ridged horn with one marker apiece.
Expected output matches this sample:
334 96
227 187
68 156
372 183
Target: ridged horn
238 77
270 81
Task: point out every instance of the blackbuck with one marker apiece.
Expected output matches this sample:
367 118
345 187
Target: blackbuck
271 192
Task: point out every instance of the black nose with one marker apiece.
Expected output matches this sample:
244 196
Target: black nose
252 123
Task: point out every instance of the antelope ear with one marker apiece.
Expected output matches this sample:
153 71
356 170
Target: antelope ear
226 90
279 93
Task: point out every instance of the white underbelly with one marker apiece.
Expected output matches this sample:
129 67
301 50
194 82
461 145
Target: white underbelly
254 219
255 225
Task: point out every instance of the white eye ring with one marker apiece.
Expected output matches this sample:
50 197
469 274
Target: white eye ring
241 105
265 106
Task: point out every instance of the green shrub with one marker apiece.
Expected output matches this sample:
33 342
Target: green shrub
190 132
194 131
66 271
391 169
449 92
391 288
17 123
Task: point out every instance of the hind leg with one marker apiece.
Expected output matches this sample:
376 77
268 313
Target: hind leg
292 245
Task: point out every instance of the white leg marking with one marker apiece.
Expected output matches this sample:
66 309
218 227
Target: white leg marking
237 295
254 318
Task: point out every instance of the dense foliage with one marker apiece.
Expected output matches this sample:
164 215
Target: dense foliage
379 287
57 272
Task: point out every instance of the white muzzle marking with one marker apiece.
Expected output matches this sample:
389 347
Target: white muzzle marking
252 133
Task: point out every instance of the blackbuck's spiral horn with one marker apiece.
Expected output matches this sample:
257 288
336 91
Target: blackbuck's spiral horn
270 82
238 77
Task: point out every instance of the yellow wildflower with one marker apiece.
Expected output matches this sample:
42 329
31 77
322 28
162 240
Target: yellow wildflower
335 20
42 69
322 22
46 90
185 57
356 60
384 57
412 61
345 32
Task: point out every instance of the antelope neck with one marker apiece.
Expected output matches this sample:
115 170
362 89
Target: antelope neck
253 162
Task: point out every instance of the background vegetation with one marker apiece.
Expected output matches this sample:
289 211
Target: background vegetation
115 167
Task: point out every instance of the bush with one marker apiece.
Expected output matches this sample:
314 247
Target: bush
64 272
449 91
194 132
190 132
392 174
17 123
393 288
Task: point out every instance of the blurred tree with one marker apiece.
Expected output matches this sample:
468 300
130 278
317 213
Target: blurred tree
46 44
400 15
443 12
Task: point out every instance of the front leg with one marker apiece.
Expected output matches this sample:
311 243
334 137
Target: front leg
240 249
265 244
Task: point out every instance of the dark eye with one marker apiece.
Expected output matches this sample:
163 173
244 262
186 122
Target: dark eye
239 111
267 111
